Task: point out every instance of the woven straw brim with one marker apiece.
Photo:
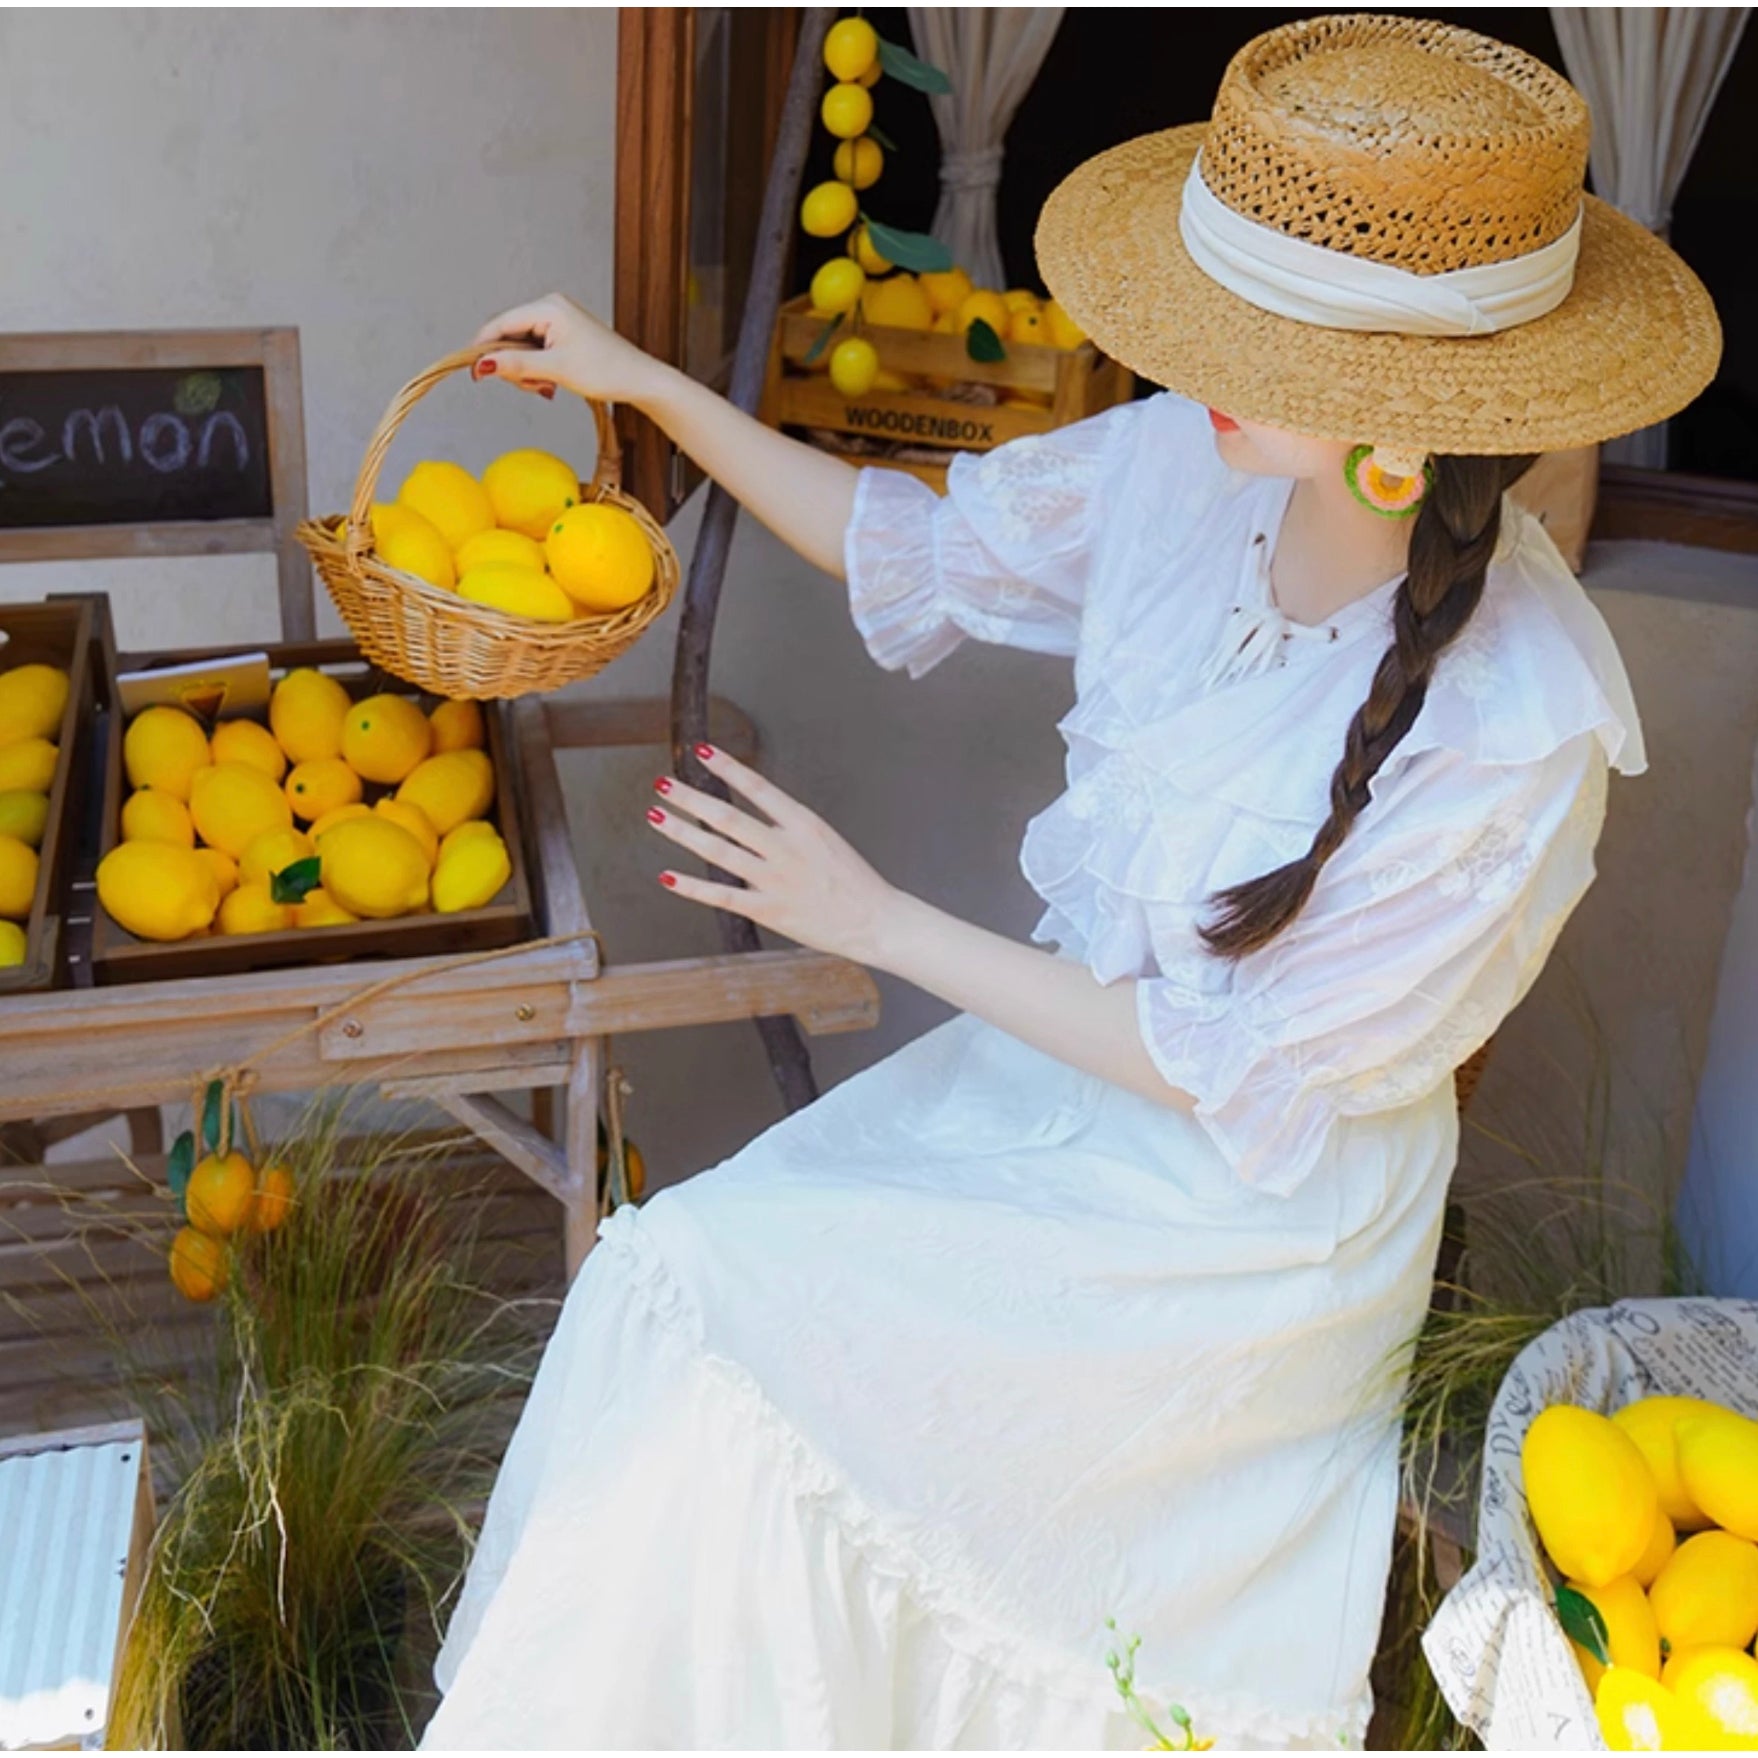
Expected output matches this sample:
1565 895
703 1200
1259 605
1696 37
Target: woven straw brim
1634 342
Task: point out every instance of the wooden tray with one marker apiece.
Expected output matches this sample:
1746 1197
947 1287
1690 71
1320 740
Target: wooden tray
118 957
59 632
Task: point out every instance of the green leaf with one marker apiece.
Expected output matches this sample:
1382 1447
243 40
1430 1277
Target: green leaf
1582 1623
821 341
179 1163
899 64
914 251
291 884
210 1115
877 133
981 343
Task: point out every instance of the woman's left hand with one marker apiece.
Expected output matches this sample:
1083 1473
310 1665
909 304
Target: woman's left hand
800 878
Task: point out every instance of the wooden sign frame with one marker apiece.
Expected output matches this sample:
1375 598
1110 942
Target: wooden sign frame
276 353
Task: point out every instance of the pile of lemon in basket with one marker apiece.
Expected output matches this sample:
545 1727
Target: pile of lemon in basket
520 539
1651 1518
32 701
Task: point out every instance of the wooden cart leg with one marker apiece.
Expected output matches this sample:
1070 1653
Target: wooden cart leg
580 1146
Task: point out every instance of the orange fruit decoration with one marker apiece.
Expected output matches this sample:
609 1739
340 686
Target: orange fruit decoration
198 1265
273 1201
220 1194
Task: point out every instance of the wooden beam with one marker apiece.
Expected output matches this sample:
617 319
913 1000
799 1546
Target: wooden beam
1665 506
514 1139
825 994
645 720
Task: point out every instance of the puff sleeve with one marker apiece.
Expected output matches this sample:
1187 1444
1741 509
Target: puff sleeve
1427 927
1003 557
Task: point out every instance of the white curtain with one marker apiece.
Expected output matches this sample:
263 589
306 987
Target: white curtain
991 55
1649 75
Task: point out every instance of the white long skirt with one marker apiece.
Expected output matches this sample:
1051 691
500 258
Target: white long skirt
858 1439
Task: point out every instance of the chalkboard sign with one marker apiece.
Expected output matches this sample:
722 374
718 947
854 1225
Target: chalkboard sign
156 442
134 447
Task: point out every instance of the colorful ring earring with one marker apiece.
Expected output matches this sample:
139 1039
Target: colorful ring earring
1389 484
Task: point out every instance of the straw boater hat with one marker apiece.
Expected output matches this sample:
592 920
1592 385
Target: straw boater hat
1381 235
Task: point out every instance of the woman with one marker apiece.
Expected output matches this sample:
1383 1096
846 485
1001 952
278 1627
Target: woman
1089 1303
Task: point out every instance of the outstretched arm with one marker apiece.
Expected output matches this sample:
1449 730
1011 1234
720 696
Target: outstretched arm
805 496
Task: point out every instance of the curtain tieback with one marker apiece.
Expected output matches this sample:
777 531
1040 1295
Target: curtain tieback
977 169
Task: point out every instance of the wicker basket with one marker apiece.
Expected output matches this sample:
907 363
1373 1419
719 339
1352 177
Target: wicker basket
447 644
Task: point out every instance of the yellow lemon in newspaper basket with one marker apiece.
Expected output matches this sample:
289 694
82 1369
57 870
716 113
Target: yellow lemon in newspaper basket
383 738
449 498
149 814
1631 1636
1707 1595
470 874
198 1265
163 748
847 110
851 46
27 764
1064 331
244 741
252 909
457 726
1639 1714
854 366
529 490
222 866
1653 1424
837 286
324 825
862 248
306 713
489 548
233 804
158 891
1661 1545
415 821
1720 1687
859 163
374 868
600 557
219 1194
450 788
24 813
18 878
12 945
519 592
1589 1491
828 208
1718 1459
272 852
317 909
412 544
32 700
320 786
897 303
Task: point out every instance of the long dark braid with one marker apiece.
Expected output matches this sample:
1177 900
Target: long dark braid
1450 548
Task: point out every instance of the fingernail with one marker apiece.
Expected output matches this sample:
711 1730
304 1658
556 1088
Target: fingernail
705 752
486 369
654 815
547 391
668 879
663 785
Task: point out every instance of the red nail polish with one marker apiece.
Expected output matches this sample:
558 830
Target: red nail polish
486 369
547 391
663 785
668 879
704 752
654 815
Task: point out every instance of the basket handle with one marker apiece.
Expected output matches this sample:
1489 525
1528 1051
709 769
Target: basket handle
607 471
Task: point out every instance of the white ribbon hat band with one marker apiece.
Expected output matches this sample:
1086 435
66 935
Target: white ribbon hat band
1297 279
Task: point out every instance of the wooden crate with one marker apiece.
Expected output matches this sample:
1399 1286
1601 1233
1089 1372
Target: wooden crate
59 632
1076 383
118 957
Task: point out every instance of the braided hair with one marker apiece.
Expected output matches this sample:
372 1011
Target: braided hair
1451 545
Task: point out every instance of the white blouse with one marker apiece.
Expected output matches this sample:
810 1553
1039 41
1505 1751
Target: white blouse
1200 752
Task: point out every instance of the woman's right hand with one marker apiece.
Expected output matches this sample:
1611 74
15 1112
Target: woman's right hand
574 350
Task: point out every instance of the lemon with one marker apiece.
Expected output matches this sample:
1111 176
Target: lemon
1064 331
946 323
988 307
450 788
320 910
272 853
198 1265
384 737
324 825
1661 1545
600 557
520 592
1589 1491
152 815
1707 1595
12 945
374 868
317 788
411 543
837 286
274 1199
860 162
862 248
449 498
851 46
489 547
27 765
415 821
466 832
471 874
1028 327
847 110
1652 1423
233 804
244 741
18 878
1632 1637
24 813
306 713
897 303
158 891
163 748
457 726
828 208
947 289
219 1195
1637 1713
1718 1460
32 700
854 366
222 866
1018 299
874 74
887 380
529 490
251 909
1720 1685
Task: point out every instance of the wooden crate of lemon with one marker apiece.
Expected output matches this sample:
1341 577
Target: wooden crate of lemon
519 581
350 819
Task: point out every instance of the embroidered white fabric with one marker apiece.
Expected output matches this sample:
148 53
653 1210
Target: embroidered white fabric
857 1439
